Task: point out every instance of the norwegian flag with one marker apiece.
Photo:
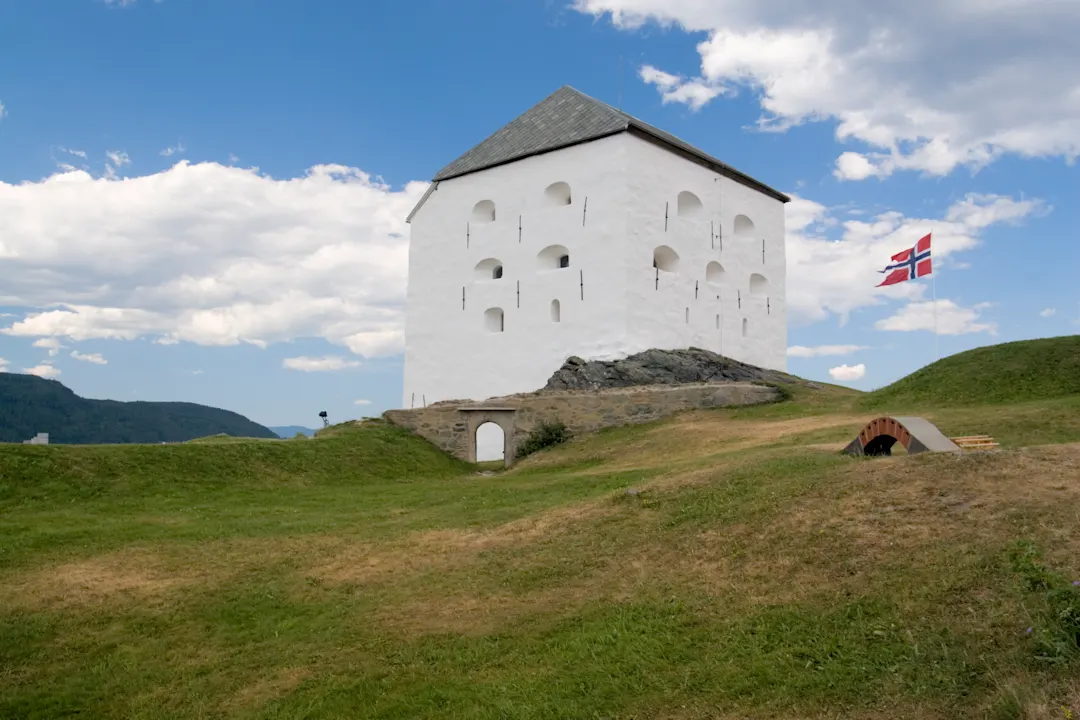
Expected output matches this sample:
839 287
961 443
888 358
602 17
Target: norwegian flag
909 264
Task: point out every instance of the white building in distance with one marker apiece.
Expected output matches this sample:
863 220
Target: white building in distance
579 230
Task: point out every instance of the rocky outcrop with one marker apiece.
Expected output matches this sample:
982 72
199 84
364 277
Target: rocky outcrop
659 367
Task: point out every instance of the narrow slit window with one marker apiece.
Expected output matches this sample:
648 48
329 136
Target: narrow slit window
557 194
665 259
494 320
488 269
744 228
553 257
689 204
483 212
714 273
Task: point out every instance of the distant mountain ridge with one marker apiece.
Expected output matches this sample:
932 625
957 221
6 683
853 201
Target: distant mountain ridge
289 431
31 405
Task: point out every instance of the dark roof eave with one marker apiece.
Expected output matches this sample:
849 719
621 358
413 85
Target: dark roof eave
423 199
702 158
646 133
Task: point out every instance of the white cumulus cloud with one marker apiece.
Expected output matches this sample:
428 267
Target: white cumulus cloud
925 85
49 343
832 265
847 373
114 160
118 158
4 364
201 253
44 370
320 364
362 402
177 149
95 358
1048 312
951 319
802 351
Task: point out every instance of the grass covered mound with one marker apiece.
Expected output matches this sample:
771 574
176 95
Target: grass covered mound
359 455
1007 373
721 564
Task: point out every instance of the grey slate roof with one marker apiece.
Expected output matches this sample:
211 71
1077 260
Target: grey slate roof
569 117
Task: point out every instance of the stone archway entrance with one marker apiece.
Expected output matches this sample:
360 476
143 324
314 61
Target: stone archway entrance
480 415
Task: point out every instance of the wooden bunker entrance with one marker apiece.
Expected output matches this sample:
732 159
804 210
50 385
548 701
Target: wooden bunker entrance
915 434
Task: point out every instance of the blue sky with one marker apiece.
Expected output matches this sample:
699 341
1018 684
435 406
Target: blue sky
204 200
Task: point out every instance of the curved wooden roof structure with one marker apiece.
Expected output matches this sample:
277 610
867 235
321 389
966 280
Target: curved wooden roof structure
915 434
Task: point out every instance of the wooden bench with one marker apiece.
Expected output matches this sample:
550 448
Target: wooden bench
975 442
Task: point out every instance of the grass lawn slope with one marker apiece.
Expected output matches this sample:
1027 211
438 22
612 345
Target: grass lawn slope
753 571
1007 373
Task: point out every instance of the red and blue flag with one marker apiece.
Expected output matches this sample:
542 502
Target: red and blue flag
909 264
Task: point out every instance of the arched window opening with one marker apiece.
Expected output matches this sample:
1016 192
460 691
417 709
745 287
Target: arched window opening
488 269
717 321
744 228
714 273
556 311
666 259
745 327
687 316
490 443
483 212
759 286
553 257
493 320
557 194
689 205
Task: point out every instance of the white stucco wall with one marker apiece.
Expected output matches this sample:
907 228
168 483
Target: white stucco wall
682 308
609 306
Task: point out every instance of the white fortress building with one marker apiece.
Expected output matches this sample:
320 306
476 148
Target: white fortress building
579 230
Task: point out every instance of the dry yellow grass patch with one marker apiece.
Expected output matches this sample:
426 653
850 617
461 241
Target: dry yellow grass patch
255 695
476 611
913 712
700 434
906 503
881 511
370 562
132 574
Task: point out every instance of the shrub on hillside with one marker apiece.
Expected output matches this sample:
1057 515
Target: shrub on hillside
544 435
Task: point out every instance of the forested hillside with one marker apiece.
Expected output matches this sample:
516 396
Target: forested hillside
29 405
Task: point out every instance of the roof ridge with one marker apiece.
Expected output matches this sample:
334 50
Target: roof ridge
566 117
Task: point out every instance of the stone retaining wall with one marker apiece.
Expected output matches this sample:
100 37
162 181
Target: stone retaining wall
452 425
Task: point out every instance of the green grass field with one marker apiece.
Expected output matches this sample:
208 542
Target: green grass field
755 573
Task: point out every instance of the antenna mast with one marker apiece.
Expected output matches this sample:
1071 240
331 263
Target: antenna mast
620 81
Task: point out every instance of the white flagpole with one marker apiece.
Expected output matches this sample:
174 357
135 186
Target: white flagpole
933 291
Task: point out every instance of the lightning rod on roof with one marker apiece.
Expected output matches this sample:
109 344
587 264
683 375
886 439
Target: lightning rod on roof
620 81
